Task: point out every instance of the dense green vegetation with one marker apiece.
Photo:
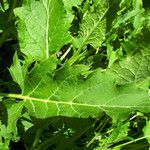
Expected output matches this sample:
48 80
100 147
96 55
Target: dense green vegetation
74 74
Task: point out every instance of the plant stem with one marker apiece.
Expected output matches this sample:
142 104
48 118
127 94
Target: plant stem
19 96
133 141
102 125
36 140
65 54
12 5
47 143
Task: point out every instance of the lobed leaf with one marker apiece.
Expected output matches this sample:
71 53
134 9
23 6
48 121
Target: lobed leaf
93 28
68 93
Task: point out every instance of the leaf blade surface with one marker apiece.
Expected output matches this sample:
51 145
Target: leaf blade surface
50 33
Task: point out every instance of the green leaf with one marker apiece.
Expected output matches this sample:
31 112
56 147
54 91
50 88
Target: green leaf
26 123
119 133
112 55
67 93
69 96
122 19
133 68
17 72
93 28
70 3
51 30
139 19
4 5
10 133
14 113
4 137
146 131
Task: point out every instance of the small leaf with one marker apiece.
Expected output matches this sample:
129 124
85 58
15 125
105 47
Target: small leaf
14 113
146 131
16 71
119 133
71 3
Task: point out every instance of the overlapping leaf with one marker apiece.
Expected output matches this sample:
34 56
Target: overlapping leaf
134 69
14 113
71 3
42 28
92 30
93 27
16 71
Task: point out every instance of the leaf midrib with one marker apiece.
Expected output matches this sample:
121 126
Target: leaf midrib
102 106
47 29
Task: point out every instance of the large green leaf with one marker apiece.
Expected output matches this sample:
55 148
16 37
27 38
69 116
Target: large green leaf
42 28
72 90
68 93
